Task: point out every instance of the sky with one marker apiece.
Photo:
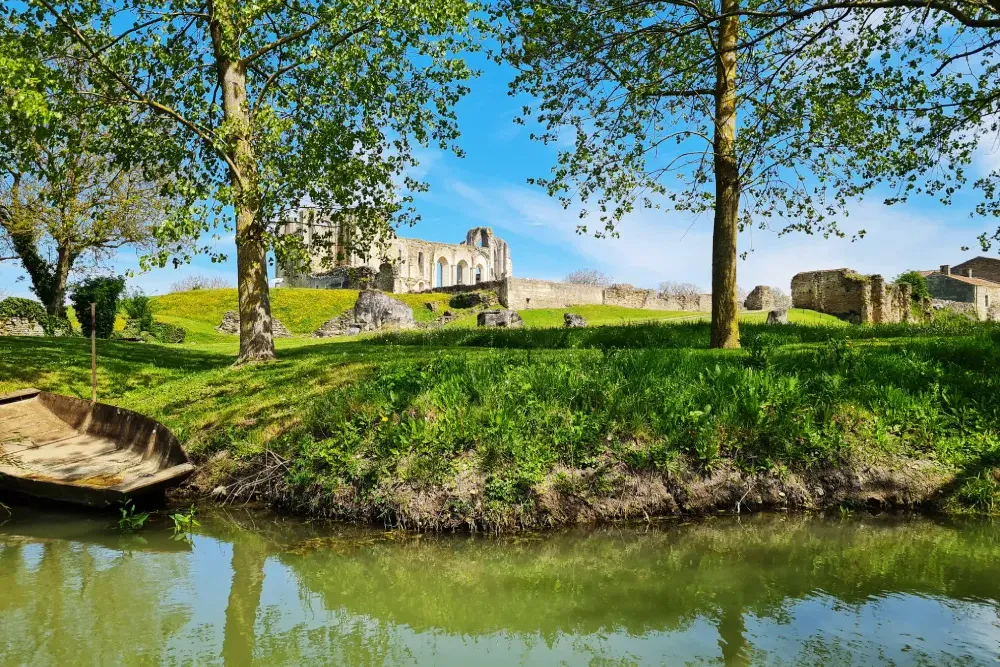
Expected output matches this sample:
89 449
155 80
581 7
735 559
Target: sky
488 188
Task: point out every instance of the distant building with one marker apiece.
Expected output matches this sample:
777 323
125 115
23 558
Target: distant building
398 264
961 284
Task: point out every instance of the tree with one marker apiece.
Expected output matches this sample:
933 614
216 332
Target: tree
104 292
271 102
191 283
70 204
918 282
651 89
672 288
589 277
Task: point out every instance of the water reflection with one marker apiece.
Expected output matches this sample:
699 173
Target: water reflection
250 589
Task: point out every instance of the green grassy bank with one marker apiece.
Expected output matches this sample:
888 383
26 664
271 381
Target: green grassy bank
544 426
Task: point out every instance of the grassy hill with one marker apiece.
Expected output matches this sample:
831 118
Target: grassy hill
303 311
496 427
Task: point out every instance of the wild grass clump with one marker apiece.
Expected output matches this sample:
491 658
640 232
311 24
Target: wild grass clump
515 415
678 335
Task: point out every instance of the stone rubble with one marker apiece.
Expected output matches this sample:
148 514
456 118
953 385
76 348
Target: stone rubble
778 316
231 325
373 311
508 319
573 321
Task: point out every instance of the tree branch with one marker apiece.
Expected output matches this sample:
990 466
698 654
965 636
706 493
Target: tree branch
278 43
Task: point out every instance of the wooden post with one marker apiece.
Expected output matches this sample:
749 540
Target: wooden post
93 353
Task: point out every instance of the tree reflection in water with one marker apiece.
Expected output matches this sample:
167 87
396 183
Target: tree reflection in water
764 590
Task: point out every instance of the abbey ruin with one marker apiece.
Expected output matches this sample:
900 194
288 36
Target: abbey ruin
398 265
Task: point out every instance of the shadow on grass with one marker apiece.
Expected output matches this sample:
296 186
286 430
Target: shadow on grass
665 334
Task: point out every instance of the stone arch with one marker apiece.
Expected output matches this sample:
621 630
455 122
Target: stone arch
442 272
462 276
421 286
479 274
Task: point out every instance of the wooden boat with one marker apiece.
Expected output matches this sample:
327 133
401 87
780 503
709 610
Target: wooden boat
70 450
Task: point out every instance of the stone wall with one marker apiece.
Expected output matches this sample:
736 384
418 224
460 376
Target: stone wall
947 288
761 298
525 293
628 296
398 264
852 296
20 326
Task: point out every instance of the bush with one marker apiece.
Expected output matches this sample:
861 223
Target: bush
16 306
139 310
103 291
918 282
168 333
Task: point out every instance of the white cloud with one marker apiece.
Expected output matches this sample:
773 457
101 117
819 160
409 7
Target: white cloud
657 245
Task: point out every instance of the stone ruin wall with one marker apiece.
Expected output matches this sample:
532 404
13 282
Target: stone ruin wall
526 293
20 326
851 296
635 297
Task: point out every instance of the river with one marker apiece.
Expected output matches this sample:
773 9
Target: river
250 588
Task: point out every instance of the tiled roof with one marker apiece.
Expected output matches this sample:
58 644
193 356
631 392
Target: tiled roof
982 282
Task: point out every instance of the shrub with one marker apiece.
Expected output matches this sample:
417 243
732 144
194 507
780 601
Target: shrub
16 306
168 333
139 310
917 282
105 292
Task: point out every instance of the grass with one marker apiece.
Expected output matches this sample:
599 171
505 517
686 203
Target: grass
424 409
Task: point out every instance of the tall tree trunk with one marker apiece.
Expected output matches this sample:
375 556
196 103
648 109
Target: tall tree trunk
725 326
56 303
256 341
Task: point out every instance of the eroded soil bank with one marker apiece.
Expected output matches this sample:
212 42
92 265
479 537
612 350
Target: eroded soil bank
593 496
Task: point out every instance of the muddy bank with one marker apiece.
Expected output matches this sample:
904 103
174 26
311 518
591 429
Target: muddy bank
581 497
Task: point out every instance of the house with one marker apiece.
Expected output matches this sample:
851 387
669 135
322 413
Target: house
948 284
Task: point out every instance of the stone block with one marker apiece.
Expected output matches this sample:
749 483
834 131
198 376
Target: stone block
231 325
379 310
778 316
500 318
573 321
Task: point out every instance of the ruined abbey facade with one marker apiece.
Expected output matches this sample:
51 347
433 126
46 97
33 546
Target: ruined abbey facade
398 264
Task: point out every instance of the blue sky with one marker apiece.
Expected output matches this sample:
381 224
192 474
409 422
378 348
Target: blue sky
488 187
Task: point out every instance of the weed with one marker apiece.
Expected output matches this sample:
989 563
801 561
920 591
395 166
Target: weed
131 520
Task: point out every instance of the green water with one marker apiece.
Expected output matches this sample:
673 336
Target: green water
253 589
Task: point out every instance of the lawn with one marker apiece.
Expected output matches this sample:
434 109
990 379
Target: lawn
371 426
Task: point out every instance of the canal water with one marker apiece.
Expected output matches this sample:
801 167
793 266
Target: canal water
249 588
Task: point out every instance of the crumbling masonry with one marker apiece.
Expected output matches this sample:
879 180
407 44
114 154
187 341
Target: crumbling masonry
403 265
852 296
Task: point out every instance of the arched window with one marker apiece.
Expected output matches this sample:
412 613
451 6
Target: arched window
462 272
443 273
420 262
479 274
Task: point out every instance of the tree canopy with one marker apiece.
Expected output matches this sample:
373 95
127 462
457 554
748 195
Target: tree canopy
269 103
